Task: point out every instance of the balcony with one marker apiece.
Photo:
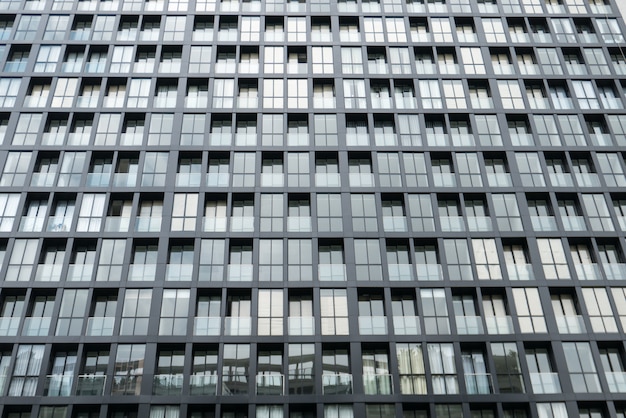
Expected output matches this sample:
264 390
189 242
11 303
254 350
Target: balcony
452 223
299 224
131 139
125 179
372 325
242 224
479 223
331 272
406 325
148 224
497 325
270 384
48 273
9 326
616 381
239 272
178 272
615 271
394 223
34 223
237 325
59 224
90 385
167 384
272 179
336 384
561 180
361 179
217 179
520 271
327 180
574 324
214 224
400 272
573 223
116 224
377 384
58 385
98 179
42 179
142 272
469 325
206 325
478 383
301 325
100 326
442 179
79 272
36 326
587 179
499 180
602 140
235 384
588 271
545 383
203 384
429 272
543 223
188 179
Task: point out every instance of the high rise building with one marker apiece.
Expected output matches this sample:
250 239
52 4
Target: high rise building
322 208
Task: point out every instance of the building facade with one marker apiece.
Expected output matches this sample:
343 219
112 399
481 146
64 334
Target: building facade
323 208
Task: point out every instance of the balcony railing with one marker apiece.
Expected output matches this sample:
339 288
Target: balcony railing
561 180
406 325
58 385
167 384
573 223
361 179
270 384
235 384
301 325
9 326
372 325
589 271
239 272
48 273
242 224
206 325
116 224
452 223
479 223
272 179
429 272
147 224
336 384
616 381
377 384
179 272
520 271
615 271
203 384
100 326
42 179
574 324
142 272
499 324
299 224
327 180
478 383
90 385
394 223
331 272
237 325
211 224
400 272
545 382
469 325
217 179
543 223
36 326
